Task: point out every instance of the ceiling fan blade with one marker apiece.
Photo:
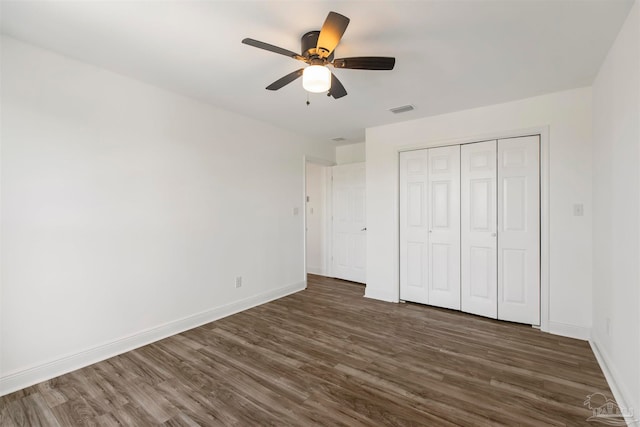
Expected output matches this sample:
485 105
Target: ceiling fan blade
331 33
285 80
272 48
366 63
337 90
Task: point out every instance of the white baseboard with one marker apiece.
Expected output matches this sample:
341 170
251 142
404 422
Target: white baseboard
380 295
316 270
620 392
28 377
567 330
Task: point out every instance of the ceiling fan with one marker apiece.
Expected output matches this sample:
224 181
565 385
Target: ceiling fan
318 52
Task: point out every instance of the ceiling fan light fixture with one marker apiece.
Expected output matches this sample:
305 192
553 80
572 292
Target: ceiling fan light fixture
317 51
316 79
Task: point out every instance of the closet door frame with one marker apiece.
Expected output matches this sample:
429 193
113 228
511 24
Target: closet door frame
543 133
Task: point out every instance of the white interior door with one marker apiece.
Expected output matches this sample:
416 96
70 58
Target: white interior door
349 222
444 227
430 226
479 229
519 230
413 226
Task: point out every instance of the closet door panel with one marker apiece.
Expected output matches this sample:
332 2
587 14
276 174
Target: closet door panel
519 230
413 226
444 226
479 280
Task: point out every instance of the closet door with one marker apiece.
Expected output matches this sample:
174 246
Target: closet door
479 229
413 226
443 213
430 226
519 230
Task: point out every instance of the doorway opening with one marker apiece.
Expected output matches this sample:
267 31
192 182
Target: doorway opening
317 215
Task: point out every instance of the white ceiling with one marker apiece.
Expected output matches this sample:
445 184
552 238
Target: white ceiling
450 55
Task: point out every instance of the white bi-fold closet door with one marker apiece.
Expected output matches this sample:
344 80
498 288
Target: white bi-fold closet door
519 228
430 226
498 220
479 228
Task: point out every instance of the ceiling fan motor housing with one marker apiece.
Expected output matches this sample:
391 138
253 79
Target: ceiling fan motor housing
309 41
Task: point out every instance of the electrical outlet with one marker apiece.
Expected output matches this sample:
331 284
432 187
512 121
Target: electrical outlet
238 281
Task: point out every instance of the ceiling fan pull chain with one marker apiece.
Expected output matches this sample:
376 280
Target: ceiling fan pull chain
308 103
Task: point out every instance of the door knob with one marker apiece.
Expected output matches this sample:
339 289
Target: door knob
364 229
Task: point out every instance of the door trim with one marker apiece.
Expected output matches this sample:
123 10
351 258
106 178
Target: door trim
543 131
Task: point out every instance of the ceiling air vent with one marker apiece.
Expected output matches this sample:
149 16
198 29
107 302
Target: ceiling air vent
339 139
402 109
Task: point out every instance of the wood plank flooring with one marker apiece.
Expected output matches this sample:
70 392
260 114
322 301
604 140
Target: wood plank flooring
328 356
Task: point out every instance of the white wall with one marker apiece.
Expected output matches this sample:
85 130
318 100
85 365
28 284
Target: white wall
316 218
616 222
352 153
568 117
128 211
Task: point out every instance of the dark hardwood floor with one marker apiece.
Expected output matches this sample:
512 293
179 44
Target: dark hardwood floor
328 356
